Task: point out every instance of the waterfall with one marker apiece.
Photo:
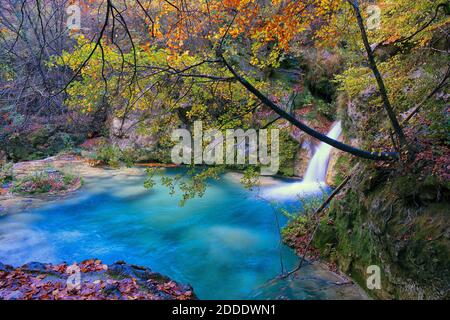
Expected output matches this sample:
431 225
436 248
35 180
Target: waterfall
318 165
314 179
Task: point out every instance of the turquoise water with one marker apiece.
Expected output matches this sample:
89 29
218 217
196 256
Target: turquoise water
226 244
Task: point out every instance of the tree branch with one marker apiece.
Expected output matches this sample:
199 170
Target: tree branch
337 144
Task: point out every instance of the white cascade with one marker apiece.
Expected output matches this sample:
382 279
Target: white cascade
314 179
318 165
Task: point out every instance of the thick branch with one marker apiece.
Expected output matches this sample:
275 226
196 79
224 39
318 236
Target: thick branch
426 25
337 144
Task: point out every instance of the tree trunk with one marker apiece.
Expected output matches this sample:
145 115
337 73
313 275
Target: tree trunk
373 66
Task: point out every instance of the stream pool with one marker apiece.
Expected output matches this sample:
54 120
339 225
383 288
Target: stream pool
225 244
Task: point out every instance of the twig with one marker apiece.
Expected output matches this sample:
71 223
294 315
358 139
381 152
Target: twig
388 156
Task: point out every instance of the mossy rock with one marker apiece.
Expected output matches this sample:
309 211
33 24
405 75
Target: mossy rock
384 219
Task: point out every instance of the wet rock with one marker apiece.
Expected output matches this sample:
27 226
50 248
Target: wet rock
301 162
126 270
14 295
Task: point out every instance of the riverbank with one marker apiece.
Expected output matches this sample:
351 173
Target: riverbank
88 280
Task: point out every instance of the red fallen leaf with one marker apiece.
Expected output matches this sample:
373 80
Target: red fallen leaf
87 291
61 268
35 286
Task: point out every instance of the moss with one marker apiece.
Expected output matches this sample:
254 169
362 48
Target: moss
43 142
353 239
325 237
288 150
341 168
383 219
287 171
296 228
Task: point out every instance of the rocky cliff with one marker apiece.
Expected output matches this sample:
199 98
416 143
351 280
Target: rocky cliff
397 222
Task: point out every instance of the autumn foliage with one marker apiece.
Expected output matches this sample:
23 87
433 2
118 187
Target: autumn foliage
36 281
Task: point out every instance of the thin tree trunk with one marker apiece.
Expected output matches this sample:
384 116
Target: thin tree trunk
373 66
389 156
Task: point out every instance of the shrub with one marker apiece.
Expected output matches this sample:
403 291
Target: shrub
45 182
129 156
6 173
113 156
105 154
326 109
109 154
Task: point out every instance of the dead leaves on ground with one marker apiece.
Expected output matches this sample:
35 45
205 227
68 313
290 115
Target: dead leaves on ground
49 282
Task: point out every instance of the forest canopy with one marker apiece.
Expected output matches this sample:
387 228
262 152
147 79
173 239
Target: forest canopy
174 62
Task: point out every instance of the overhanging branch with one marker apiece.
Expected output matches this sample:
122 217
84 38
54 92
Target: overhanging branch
337 144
